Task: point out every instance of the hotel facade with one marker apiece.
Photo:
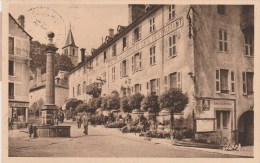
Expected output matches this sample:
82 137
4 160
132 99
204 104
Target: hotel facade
206 50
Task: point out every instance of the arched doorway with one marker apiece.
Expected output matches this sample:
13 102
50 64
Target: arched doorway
246 128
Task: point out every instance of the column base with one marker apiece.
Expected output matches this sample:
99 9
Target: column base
48 114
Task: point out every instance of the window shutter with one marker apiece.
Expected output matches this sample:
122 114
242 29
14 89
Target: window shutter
218 81
140 85
165 83
244 83
133 65
140 32
232 82
126 67
147 87
158 86
179 80
121 71
140 60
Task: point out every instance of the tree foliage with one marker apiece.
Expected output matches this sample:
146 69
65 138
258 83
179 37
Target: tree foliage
174 99
113 101
93 90
64 63
124 104
95 103
73 103
135 101
151 102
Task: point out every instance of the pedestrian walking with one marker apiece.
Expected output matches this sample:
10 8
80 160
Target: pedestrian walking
85 120
79 120
30 130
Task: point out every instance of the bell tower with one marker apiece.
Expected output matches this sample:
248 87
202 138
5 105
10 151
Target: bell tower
70 48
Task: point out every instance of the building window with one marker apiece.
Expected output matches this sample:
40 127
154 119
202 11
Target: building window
249 43
137 34
153 86
105 56
248 79
152 55
78 90
152 25
221 9
223 119
11 68
223 79
113 73
172 46
223 40
175 80
11 45
165 83
125 43
114 50
137 88
123 68
11 90
171 11
137 62
84 87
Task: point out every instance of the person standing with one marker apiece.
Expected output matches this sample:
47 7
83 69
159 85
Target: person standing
85 123
78 119
30 130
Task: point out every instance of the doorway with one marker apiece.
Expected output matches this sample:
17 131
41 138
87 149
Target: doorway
246 128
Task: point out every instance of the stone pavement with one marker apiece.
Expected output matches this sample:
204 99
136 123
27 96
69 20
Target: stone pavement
246 151
76 133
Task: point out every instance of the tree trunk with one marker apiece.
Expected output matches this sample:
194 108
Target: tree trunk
171 125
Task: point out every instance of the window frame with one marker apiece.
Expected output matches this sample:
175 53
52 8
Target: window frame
172 46
11 49
171 12
249 44
11 96
152 56
114 50
223 41
13 67
152 24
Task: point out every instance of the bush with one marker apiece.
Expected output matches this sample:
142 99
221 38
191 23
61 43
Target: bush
178 134
135 101
188 133
96 120
114 101
125 105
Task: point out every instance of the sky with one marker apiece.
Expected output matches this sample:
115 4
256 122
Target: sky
89 23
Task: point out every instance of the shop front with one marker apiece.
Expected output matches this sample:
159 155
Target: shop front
18 114
216 121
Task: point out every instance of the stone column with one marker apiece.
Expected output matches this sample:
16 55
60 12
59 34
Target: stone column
49 107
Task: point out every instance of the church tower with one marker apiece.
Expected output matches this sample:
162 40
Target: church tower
71 49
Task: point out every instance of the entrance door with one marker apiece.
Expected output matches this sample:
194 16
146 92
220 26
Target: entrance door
223 123
246 128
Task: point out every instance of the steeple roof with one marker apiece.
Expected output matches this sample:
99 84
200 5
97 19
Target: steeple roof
69 40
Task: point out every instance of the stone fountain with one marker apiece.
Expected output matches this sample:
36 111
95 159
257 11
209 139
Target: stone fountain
47 128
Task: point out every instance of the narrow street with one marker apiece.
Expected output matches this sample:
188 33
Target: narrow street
101 142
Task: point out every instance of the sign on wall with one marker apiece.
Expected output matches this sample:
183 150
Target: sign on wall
19 104
204 125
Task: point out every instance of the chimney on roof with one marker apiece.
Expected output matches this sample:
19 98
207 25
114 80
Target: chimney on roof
38 76
83 57
21 19
134 12
111 32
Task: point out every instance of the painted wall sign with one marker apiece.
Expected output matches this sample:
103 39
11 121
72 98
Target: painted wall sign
174 25
222 104
19 104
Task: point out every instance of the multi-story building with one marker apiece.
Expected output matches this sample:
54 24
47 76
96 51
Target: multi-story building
19 66
38 89
206 50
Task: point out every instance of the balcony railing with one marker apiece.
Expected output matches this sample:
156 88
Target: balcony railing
247 20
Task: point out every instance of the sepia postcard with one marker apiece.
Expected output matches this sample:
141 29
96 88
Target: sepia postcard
130 81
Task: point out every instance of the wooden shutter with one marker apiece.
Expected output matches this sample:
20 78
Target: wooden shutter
158 86
121 69
244 83
232 82
126 67
218 81
165 83
148 87
133 64
179 80
140 60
